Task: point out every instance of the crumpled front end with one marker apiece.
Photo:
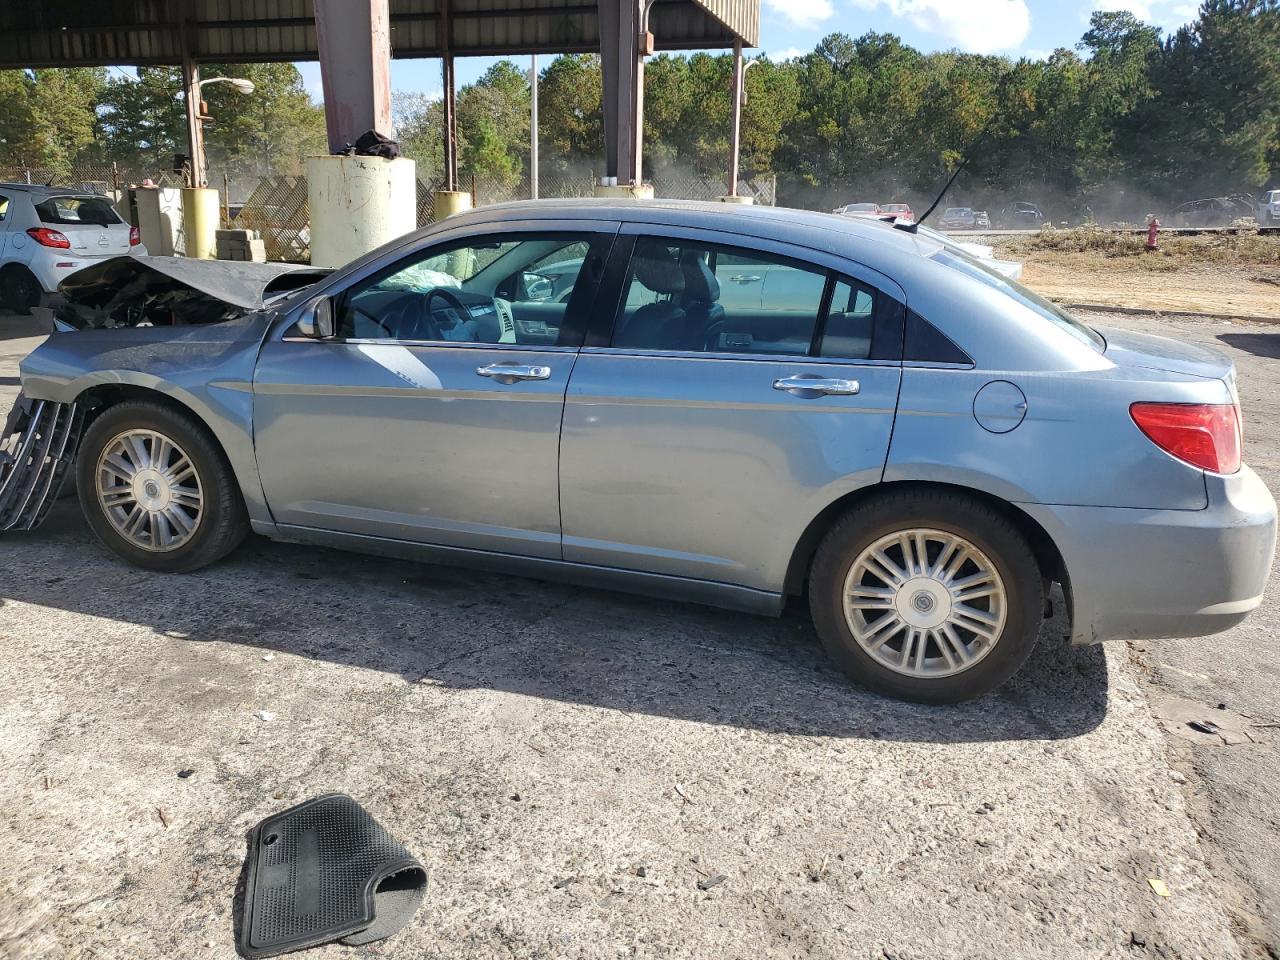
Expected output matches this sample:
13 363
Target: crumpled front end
37 448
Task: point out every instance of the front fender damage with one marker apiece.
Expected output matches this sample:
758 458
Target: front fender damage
37 448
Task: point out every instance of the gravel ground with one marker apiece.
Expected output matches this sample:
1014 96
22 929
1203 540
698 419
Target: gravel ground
570 764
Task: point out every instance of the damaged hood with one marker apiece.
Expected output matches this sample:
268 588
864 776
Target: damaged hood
139 291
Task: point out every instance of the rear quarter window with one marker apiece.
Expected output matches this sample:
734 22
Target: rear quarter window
1016 291
74 211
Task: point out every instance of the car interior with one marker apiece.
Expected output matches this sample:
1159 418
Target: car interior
680 296
704 298
483 292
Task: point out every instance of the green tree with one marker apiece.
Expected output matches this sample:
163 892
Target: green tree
47 118
142 122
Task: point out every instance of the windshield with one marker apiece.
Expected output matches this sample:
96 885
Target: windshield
1032 301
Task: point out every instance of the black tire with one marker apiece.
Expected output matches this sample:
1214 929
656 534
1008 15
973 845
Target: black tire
951 513
223 522
19 289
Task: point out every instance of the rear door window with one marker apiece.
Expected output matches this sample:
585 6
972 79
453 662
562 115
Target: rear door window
77 211
691 296
683 295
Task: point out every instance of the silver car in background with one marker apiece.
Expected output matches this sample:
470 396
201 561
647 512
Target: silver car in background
721 404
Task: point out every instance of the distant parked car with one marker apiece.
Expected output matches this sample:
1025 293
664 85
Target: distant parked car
958 218
861 210
1210 212
1021 215
1268 212
48 233
981 220
900 210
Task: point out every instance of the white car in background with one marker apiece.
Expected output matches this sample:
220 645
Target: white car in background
1269 209
873 210
982 252
48 233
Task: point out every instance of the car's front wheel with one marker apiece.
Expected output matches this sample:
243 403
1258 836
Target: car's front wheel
156 488
927 596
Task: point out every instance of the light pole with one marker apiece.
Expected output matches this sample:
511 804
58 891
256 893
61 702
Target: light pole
739 100
196 118
533 126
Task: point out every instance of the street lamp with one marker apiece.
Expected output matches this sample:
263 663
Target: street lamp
240 83
196 118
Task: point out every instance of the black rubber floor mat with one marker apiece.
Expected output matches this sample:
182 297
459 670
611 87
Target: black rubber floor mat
322 871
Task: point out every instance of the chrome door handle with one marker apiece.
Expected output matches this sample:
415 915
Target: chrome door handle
512 372
806 385
744 278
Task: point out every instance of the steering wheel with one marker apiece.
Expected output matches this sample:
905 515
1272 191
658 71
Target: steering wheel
450 298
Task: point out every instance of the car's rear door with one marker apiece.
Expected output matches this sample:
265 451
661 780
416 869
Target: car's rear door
434 415
699 442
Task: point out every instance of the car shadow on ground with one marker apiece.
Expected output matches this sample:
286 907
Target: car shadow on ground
461 629
1259 344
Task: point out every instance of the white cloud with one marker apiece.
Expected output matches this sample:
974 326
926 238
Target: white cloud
975 26
1169 14
788 54
802 13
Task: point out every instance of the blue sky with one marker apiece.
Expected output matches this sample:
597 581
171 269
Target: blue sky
1031 28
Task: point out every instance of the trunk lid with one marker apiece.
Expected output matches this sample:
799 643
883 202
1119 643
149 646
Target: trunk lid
1128 349
89 223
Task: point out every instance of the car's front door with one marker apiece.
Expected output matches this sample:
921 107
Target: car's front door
704 432
433 413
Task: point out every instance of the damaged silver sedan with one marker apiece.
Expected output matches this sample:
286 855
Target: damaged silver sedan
727 405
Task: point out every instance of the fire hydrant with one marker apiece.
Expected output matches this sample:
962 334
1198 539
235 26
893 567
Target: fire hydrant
1153 232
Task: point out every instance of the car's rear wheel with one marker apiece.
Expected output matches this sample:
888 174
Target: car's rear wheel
156 488
19 289
927 596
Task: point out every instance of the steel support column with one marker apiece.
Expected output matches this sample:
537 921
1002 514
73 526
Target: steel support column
622 33
354 42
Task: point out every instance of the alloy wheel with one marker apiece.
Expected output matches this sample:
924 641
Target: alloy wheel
149 490
925 603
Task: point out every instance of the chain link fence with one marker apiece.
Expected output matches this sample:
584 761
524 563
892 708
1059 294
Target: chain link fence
100 178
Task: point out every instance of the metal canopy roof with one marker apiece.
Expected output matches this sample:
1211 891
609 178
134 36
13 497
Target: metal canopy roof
73 33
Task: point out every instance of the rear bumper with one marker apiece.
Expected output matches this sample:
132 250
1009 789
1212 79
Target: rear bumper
51 270
1145 574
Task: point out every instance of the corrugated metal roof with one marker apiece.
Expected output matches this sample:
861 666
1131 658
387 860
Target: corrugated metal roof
63 33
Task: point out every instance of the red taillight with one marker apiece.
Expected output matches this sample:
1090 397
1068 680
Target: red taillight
49 238
1205 435
135 237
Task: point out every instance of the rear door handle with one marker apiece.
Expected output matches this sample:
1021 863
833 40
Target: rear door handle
513 372
806 385
744 278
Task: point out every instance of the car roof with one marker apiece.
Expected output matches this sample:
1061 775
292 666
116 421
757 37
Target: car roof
823 231
48 190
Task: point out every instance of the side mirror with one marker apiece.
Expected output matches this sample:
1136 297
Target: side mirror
537 287
317 320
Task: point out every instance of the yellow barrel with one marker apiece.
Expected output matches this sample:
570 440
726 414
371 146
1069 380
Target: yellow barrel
200 219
